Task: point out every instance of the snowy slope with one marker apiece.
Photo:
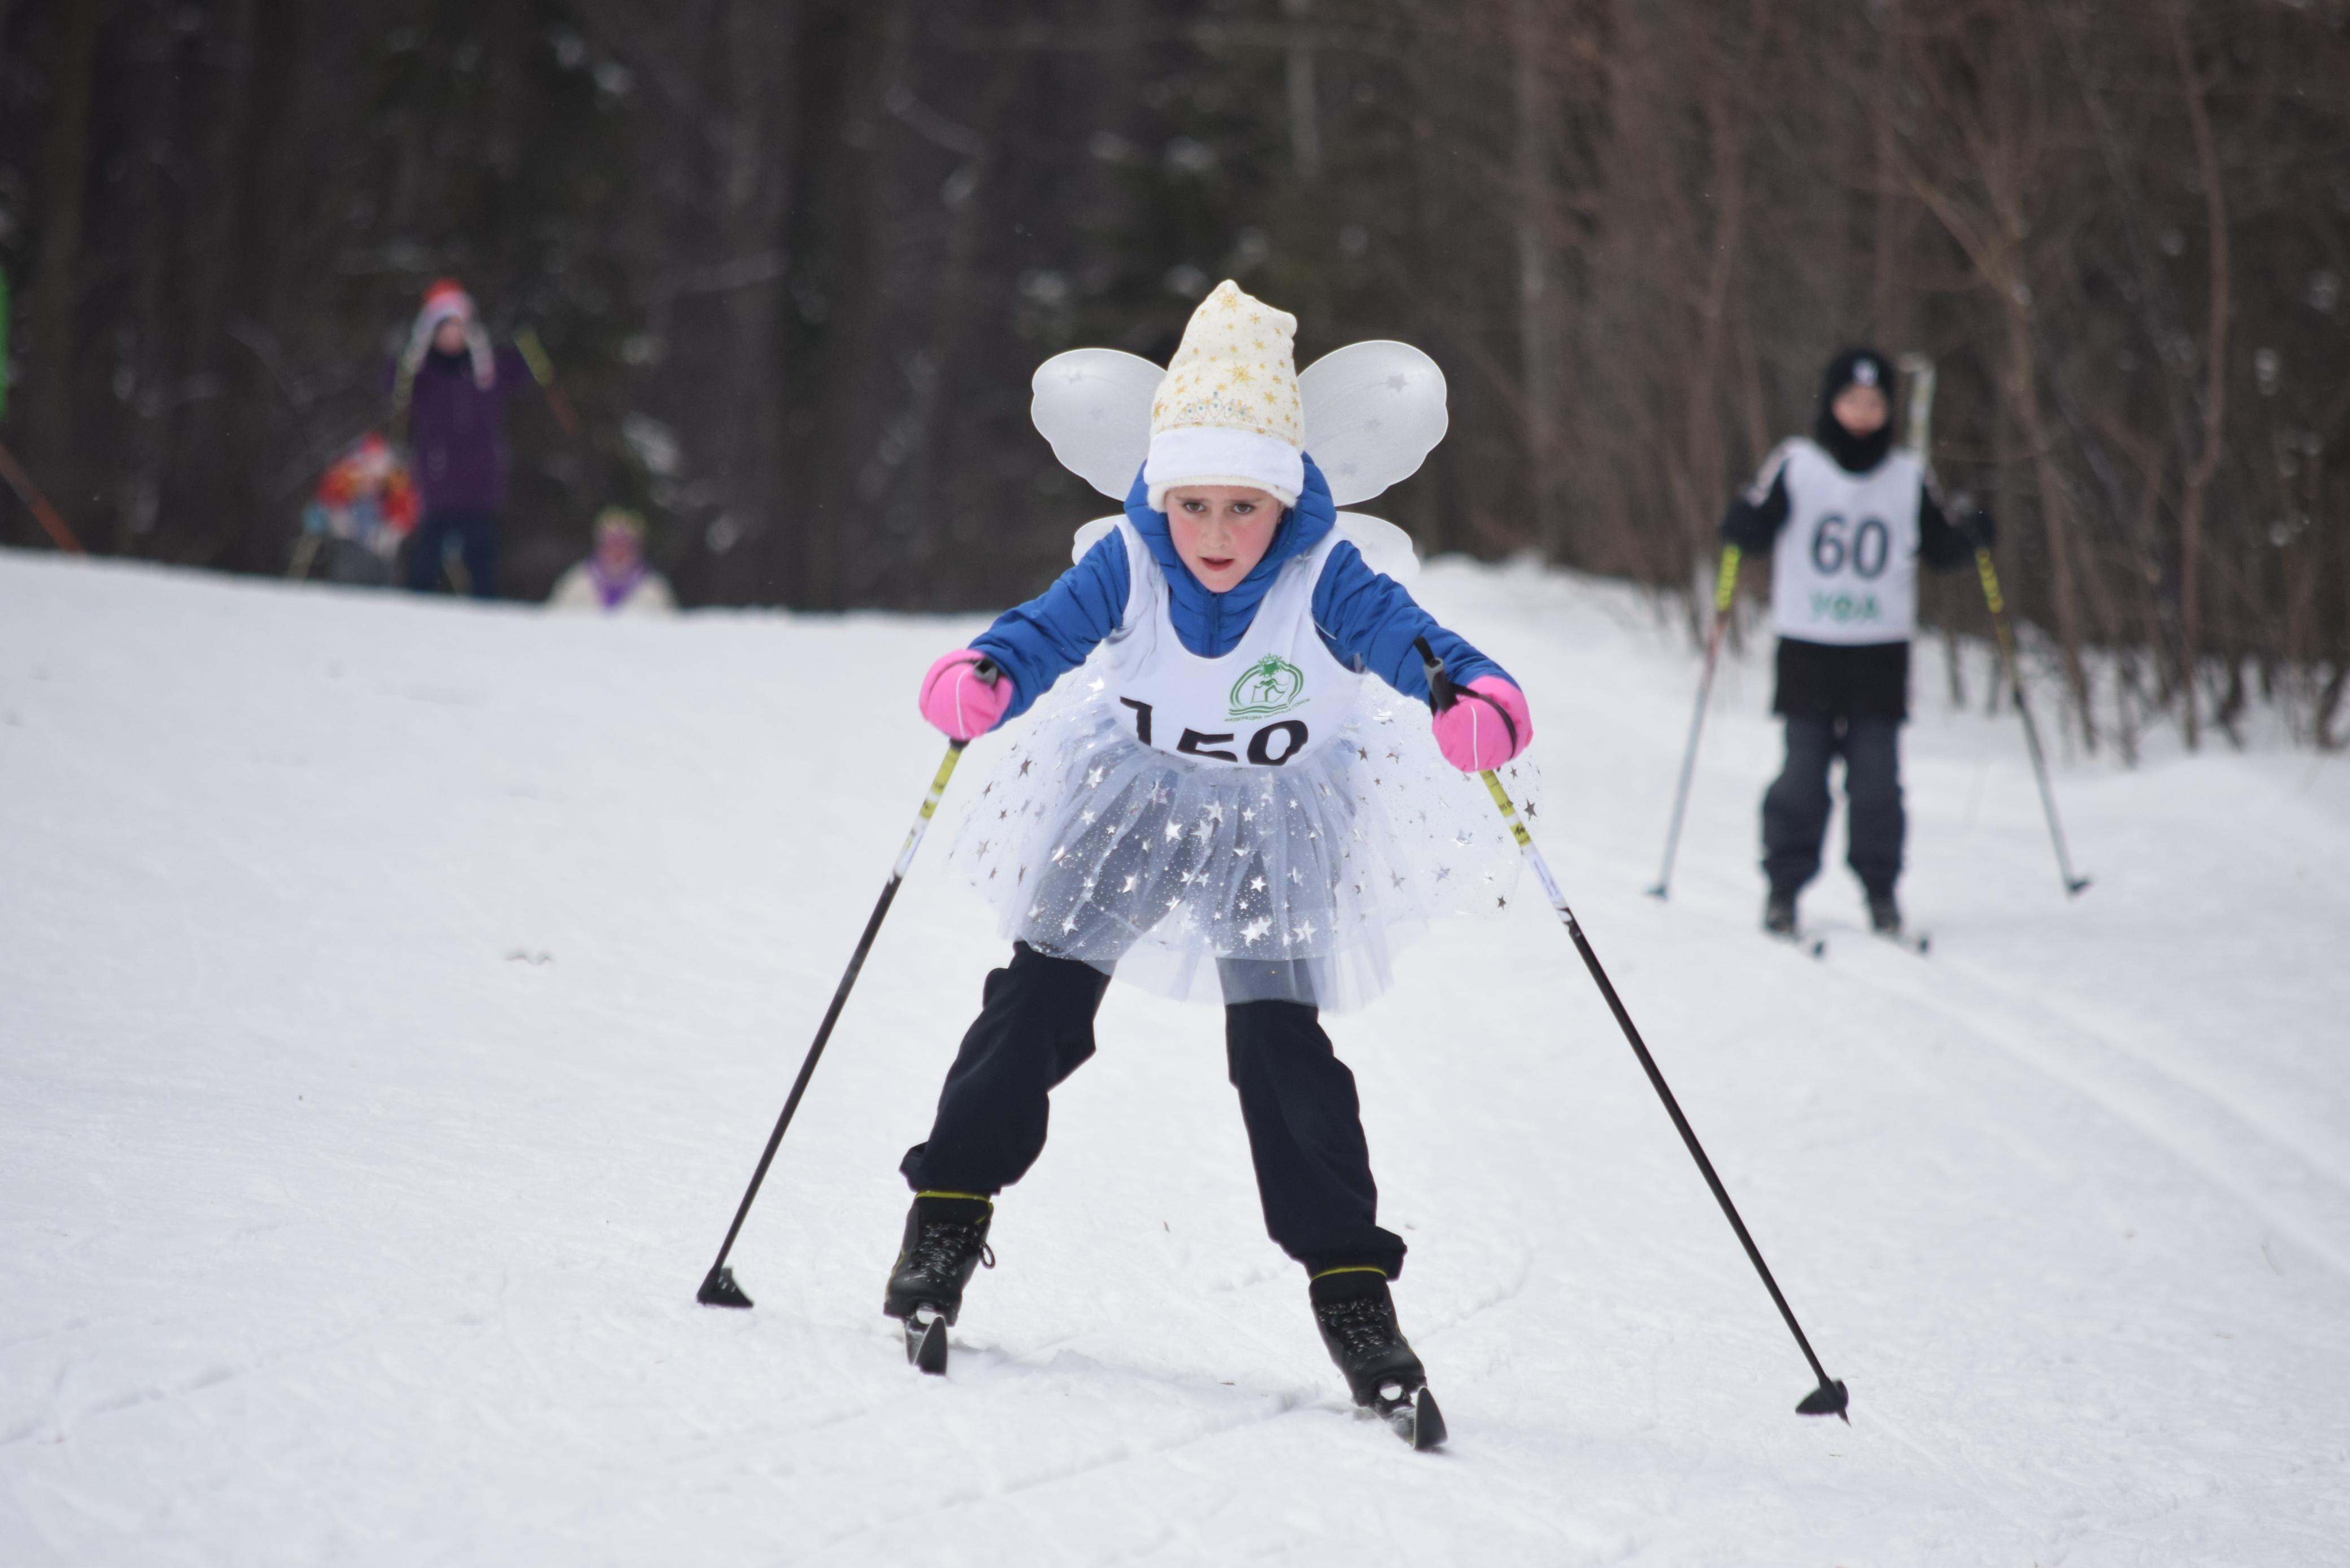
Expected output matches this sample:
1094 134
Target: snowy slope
394 997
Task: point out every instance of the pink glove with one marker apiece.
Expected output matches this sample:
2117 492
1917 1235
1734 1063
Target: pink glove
957 701
1486 727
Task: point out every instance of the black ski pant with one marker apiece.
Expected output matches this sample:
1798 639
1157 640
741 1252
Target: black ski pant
1297 1099
477 536
1796 806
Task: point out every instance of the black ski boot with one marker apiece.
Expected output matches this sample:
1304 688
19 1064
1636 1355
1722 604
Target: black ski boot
946 1239
1884 914
1779 915
1358 1319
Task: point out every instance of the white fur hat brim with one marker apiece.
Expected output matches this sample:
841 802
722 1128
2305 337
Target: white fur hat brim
1205 455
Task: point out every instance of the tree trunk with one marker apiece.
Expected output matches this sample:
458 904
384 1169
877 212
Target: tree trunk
1536 182
1305 120
57 278
2215 392
762 65
2055 514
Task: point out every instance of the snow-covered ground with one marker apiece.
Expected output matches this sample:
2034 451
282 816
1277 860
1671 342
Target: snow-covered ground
394 997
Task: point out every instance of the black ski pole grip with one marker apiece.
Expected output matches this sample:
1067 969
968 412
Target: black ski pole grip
1440 692
988 670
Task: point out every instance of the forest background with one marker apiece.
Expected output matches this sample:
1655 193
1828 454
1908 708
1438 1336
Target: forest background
795 260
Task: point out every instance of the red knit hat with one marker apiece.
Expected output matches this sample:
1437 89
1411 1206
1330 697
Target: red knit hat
446 298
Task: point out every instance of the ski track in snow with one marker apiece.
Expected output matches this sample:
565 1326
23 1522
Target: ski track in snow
394 997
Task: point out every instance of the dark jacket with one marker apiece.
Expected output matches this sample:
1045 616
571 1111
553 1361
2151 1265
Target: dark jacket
456 435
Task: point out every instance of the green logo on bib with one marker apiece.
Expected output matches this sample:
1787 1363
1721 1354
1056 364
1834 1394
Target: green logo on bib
1272 685
1843 608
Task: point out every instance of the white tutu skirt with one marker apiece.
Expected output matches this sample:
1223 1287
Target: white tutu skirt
1206 881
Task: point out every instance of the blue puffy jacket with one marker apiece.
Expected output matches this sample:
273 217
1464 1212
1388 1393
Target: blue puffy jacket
1366 621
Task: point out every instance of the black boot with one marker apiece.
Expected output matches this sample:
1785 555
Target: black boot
1779 914
946 1239
1884 914
1358 1320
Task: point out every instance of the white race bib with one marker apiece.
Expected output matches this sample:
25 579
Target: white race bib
1274 697
1844 569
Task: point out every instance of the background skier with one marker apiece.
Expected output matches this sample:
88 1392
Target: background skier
1847 520
449 390
365 506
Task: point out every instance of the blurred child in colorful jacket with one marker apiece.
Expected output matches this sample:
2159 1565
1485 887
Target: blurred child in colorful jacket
365 505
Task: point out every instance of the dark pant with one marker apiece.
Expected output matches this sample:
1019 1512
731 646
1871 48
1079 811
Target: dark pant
477 537
1297 1099
1795 808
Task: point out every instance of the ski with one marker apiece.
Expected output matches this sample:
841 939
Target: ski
1817 946
1414 1417
1919 945
926 1340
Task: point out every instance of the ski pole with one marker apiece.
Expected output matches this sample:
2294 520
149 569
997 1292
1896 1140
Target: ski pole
542 370
2014 668
1830 1397
718 1288
1724 589
30 494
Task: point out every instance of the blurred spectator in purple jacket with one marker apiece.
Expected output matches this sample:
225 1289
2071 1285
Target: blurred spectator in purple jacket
450 388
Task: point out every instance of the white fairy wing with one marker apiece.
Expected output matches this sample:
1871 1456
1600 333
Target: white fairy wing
1373 412
1386 549
1089 536
1094 406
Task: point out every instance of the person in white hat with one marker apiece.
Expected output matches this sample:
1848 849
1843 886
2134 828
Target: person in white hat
616 579
1227 802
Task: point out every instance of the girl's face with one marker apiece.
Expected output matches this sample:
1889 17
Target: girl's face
450 336
1221 531
1860 410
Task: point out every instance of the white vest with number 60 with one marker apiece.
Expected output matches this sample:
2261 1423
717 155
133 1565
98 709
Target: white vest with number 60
1844 569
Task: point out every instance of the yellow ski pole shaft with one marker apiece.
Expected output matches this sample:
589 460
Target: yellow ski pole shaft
2013 667
718 1287
542 370
1830 1397
1725 591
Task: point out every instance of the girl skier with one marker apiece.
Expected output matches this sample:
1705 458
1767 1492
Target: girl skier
1220 806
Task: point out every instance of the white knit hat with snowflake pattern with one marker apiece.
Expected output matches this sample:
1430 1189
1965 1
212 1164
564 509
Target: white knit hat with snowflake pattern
1227 411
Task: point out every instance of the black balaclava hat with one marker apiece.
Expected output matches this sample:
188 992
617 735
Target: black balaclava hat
1860 366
